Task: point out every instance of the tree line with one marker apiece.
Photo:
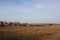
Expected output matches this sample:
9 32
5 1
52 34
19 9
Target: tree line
3 24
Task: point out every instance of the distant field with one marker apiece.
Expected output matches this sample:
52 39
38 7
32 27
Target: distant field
30 33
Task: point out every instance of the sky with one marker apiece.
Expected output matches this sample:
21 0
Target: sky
31 11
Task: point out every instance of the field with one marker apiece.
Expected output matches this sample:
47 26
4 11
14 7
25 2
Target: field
45 32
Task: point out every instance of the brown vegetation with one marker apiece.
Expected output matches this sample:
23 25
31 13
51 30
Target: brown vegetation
25 31
30 33
21 24
1 23
50 24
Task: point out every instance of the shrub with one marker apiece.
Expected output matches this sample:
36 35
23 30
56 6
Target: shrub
2 23
10 23
50 24
25 24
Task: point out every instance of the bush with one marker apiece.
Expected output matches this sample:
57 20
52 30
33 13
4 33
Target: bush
10 23
25 24
50 24
2 23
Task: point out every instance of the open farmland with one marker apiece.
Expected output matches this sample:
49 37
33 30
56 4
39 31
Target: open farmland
45 32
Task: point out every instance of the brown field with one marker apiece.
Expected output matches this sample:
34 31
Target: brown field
32 32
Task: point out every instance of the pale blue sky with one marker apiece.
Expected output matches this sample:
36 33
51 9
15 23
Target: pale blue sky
31 11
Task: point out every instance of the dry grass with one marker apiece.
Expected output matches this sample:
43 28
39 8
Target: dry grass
45 32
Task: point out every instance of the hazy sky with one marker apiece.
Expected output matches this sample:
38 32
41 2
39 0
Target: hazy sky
32 11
